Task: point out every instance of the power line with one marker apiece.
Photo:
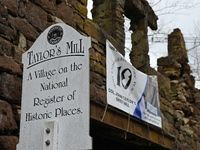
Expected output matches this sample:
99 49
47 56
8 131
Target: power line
165 39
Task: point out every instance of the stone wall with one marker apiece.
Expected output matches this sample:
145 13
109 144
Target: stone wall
179 105
22 21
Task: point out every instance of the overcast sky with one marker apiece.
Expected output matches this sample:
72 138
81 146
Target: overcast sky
184 19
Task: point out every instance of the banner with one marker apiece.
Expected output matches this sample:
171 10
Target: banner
130 90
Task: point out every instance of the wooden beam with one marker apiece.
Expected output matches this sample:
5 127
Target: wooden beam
122 127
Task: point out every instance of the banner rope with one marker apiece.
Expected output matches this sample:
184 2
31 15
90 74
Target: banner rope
149 134
127 129
163 138
104 112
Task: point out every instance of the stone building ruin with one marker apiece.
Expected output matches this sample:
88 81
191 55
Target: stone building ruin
22 21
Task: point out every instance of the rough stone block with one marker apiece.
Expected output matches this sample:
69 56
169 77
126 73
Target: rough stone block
137 36
17 113
6 47
79 21
8 142
39 21
22 10
83 2
176 46
54 19
22 41
97 79
97 57
169 117
187 130
65 13
178 105
188 110
167 127
178 117
7 32
11 5
163 81
7 64
198 146
97 94
138 59
10 88
47 5
92 54
78 6
165 106
29 44
24 27
3 11
93 30
7 122
97 47
182 98
189 80
98 68
186 120
164 61
18 54
3 20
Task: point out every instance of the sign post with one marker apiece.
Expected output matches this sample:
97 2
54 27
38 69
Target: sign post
55 95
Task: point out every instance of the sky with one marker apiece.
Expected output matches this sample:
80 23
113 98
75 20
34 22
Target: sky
183 18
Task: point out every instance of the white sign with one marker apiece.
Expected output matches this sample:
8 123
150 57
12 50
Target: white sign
55 96
131 90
